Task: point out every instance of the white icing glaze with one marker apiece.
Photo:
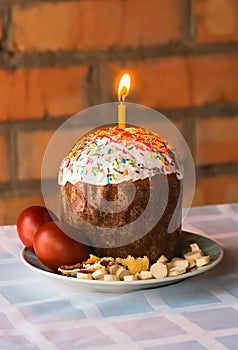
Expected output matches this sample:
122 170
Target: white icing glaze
112 156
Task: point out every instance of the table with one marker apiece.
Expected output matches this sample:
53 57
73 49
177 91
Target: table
198 313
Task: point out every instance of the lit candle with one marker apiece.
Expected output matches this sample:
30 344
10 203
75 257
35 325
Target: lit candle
123 90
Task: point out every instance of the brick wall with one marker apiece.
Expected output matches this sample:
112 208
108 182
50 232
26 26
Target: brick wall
60 57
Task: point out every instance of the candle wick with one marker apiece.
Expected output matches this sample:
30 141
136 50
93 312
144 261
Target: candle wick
122 99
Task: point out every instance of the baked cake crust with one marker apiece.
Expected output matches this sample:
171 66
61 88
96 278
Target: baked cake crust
162 238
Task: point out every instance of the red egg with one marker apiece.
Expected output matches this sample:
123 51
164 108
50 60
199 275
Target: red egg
54 246
30 220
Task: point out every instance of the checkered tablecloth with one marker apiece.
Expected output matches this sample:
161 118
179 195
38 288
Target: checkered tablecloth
198 313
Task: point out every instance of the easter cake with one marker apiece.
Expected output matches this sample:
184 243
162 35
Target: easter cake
123 189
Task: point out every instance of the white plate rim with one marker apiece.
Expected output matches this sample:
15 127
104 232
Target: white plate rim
151 283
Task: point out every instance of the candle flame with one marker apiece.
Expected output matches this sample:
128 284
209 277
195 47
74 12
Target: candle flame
124 87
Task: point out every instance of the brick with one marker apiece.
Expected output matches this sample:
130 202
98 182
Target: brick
216 140
34 145
31 146
17 204
162 83
90 25
213 78
1 29
151 22
34 93
165 127
216 21
66 26
65 90
214 190
175 82
4 159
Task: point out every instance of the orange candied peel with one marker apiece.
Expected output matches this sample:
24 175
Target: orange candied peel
93 259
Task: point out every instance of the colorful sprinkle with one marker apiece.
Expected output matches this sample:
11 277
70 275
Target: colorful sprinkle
112 155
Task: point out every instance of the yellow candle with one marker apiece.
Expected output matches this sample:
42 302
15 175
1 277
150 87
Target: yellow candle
123 90
121 115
